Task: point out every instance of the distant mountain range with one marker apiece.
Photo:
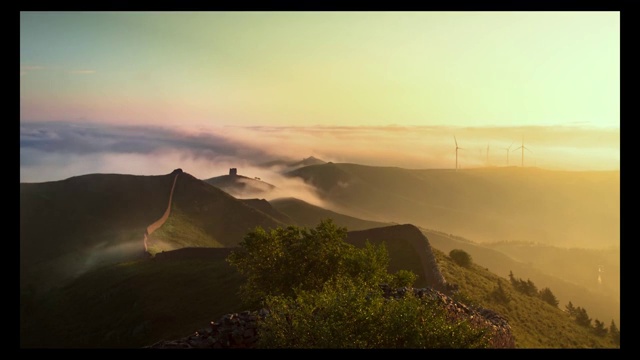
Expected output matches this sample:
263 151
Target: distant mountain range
562 208
287 165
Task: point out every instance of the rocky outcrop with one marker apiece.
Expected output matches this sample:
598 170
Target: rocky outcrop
235 331
238 331
420 244
479 317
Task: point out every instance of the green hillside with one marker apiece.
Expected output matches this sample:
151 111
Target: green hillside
203 215
139 303
534 323
68 227
602 305
267 208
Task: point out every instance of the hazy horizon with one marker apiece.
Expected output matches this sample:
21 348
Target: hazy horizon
57 150
381 89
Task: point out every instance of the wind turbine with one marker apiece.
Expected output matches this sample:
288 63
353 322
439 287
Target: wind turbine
487 154
508 149
456 140
523 148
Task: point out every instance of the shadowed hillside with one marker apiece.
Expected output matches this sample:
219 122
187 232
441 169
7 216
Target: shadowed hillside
70 226
267 208
561 208
131 304
309 215
126 305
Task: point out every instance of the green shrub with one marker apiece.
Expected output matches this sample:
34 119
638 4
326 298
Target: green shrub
460 257
283 260
403 278
348 314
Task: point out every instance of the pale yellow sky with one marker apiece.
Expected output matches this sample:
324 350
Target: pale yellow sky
322 68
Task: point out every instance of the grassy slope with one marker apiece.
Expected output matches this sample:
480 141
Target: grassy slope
131 305
70 226
487 205
138 303
534 323
203 215
266 207
582 269
602 306
309 215
66 225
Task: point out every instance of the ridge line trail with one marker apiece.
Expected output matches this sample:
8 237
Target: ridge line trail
158 223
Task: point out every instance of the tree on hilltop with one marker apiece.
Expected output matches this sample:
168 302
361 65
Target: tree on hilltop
322 292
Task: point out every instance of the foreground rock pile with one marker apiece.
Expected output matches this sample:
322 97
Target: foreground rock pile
240 330
480 317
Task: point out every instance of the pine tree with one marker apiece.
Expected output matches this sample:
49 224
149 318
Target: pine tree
547 296
582 318
571 309
614 332
531 288
500 294
599 329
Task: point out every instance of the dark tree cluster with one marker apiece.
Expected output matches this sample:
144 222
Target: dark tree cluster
529 288
580 315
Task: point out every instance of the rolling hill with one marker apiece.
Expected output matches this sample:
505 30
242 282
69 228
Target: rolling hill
69 226
305 214
203 215
602 305
290 165
241 186
559 208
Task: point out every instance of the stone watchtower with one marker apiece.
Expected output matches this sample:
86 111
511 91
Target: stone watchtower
233 171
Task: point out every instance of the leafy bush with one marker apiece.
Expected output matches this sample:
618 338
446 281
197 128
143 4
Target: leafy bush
460 257
347 314
403 278
283 260
324 293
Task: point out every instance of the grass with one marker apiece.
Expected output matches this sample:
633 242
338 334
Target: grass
180 231
130 305
534 323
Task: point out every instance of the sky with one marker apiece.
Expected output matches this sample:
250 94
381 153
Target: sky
332 84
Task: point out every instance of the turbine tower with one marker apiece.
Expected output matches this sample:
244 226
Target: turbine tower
523 148
487 154
456 140
508 149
